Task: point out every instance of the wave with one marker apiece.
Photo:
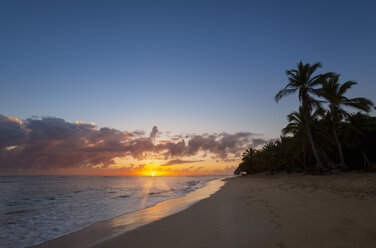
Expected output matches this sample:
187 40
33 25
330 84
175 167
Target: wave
19 212
124 196
160 192
78 202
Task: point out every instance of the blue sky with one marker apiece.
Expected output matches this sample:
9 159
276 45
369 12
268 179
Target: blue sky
184 66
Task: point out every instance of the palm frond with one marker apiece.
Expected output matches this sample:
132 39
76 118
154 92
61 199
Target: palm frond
319 79
283 93
344 87
312 68
360 103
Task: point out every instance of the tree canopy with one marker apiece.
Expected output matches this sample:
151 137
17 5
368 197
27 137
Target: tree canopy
323 134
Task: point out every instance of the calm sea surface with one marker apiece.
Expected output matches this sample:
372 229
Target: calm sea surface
34 209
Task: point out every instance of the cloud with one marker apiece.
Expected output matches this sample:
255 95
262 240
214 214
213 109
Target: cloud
220 144
258 141
179 161
53 143
11 132
154 132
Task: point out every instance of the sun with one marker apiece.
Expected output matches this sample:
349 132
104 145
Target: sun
153 173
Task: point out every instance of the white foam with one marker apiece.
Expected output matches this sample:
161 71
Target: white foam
36 209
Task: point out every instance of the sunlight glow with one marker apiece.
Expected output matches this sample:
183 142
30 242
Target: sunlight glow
153 173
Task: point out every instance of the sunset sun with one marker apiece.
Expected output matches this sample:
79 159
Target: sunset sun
153 173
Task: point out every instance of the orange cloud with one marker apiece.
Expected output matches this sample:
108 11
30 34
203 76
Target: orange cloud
52 144
13 119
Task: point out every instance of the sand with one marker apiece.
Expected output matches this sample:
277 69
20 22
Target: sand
270 211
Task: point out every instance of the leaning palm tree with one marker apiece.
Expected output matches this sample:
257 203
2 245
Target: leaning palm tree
303 81
296 123
334 92
297 128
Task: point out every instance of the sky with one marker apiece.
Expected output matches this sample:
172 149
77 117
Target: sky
206 69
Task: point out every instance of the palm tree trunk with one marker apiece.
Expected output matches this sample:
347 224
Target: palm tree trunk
305 162
341 157
310 137
366 161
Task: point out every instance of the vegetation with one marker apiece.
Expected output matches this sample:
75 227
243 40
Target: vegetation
323 134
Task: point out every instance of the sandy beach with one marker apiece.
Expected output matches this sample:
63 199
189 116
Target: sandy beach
270 211
285 210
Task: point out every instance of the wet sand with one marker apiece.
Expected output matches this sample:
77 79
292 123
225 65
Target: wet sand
270 211
108 229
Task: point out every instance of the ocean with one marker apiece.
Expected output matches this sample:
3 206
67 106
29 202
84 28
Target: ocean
34 209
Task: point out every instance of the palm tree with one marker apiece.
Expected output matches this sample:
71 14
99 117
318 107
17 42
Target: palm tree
296 123
270 150
303 81
357 130
284 150
247 165
297 128
334 93
249 153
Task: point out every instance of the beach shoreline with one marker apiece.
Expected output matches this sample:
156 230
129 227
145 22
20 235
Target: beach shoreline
284 210
110 228
270 211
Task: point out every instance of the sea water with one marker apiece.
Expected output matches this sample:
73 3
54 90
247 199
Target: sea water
34 209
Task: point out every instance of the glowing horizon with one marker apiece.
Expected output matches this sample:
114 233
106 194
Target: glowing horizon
53 146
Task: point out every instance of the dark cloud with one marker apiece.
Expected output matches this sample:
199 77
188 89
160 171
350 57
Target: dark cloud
219 144
154 132
138 133
258 141
179 161
175 149
53 143
11 132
